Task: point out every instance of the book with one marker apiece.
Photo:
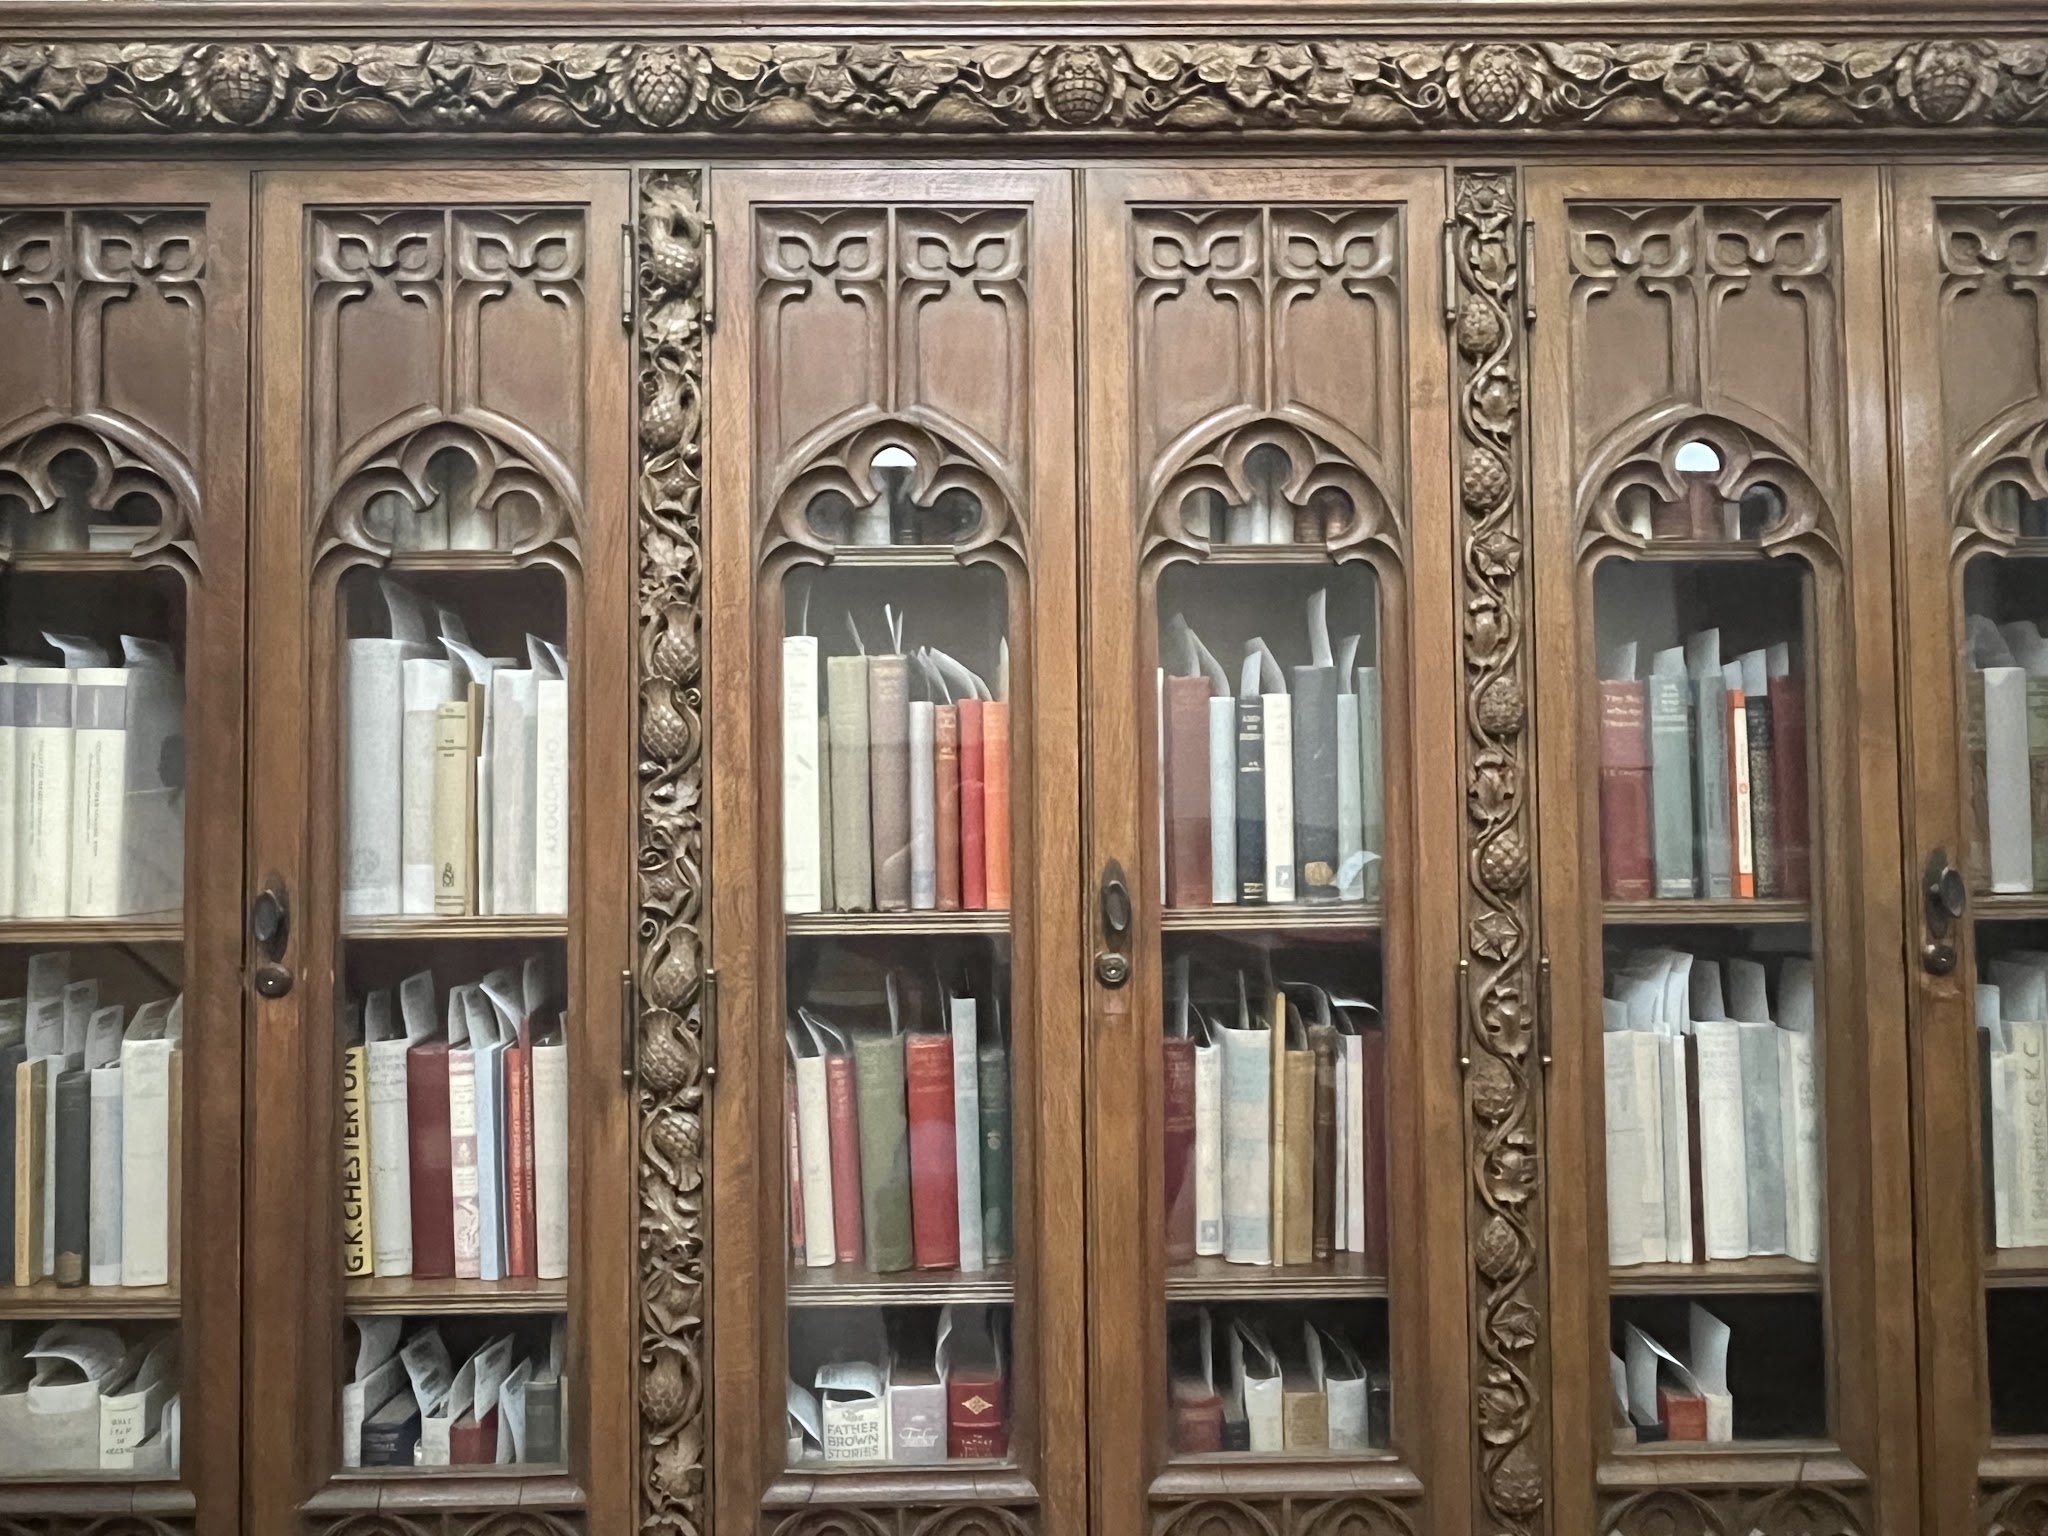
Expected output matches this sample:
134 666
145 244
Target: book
429 1157
1763 1136
1250 796
1178 1078
372 734
1741 812
1976 751
465 1194
147 1149
1298 1150
1208 1172
1624 1126
1710 764
934 1166
1372 817
1304 1407
814 1144
1350 787
1627 868
1805 1183
1668 703
388 1119
43 796
13 1053
889 778
970 1359
426 683
1313 724
1255 1381
1277 708
355 1160
1338 1373
992 1098
1373 1051
973 808
793 1164
1787 690
995 789
946 797
802 886
1354 1106
510 708
32 1239
1763 798
457 747
924 850
519 1190
127 812
963 1016
846 690
1322 1042
853 1409
916 1408
878 1071
1189 867
1223 886
551 773
550 1068
1716 1065
1247 1140
9 801
842 1127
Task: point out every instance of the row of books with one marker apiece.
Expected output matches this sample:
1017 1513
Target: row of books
2007 740
2012 1036
76 1397
1703 778
407 1404
890 803
1713 1115
1660 1395
92 780
912 1389
1276 1134
455 1134
1312 1391
456 772
898 1137
91 1122
1271 791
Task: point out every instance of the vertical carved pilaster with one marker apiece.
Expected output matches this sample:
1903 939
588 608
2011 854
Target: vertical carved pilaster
1504 1112
669 954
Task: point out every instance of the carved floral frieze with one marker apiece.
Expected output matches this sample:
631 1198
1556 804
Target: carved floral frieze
1169 86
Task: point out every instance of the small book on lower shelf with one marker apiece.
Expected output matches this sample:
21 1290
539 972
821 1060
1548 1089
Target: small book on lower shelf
408 1405
918 1387
78 1398
1666 1397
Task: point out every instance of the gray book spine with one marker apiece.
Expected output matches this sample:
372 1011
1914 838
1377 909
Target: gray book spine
889 778
1372 812
1315 783
544 1423
73 1092
884 1152
1671 786
846 686
1763 1138
1710 786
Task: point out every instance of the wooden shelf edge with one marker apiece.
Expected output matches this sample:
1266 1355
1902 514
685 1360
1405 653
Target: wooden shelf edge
932 1483
88 1303
2016 1268
1210 1278
97 1493
430 929
1745 1463
1758 1276
856 1287
841 925
1235 1473
91 930
402 1297
1283 918
2028 907
446 1489
1698 912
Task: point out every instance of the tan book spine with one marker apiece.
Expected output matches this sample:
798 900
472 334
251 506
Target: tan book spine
1300 1154
1304 1419
355 1162
31 1089
454 809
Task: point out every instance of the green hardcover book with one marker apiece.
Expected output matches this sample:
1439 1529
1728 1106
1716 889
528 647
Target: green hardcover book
884 1151
993 1061
1670 707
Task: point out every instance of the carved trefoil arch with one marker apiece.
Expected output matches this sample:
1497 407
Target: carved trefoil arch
1994 337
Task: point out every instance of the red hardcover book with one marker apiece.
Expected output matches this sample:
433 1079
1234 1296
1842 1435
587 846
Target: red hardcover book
1625 865
1742 843
473 1441
1187 792
519 1216
842 1123
433 1196
934 1175
974 1413
1373 1072
1788 783
1197 1417
995 800
973 811
1683 1414
1180 1151
946 783
793 1157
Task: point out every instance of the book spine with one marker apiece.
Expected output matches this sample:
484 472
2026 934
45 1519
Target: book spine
454 811
842 1128
973 809
1710 786
1247 1148
1350 829
1763 1138
974 1417
995 783
1676 1152
934 1166
1991 1111
99 789
802 888
1649 1171
387 1118
889 779
426 685
1323 1048
465 1207
966 1060
946 797
1279 753
1251 801
1179 1201
1222 801
814 1141
2005 754
1372 808
2027 1099
1789 779
793 1163
42 839
1742 841
104 1239
1356 1111
1627 871
514 783
145 1163
1980 784
551 795
355 1163
1669 699
924 854
1208 1150
73 1093
993 1097
1763 799
372 734
1624 1150
551 1161
1373 1048
846 689
1299 1149
1724 1161
1313 709
10 798
429 1166
884 1153
31 1119
1189 870
518 1166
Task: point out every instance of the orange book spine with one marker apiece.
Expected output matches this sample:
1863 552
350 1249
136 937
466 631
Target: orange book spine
973 819
995 801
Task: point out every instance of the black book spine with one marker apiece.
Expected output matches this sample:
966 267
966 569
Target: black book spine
74 1174
391 1445
1251 813
1237 1433
1763 798
1315 784
12 1057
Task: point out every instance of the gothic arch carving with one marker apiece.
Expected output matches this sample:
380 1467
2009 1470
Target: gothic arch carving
122 462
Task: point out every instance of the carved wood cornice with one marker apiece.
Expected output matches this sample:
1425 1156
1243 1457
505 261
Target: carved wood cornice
1332 89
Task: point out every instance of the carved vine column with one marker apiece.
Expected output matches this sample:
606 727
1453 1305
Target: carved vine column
1498 983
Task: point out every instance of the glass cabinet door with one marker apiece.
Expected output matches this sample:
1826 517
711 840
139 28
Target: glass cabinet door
123 333
1718 761
1972 255
1270 668
893 818
441 735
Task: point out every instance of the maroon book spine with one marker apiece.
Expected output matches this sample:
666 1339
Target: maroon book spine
1187 793
934 1173
1788 783
1180 1151
946 786
433 1186
973 826
1197 1418
1626 872
974 1415
1373 1073
842 1123
473 1441
519 1216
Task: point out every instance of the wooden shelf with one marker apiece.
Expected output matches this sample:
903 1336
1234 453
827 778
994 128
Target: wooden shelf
1719 551
404 1296
524 925
838 925
1354 917
2027 907
92 930
455 560
1749 1277
1342 1276
854 1285
1268 554
84 562
1697 912
895 556
2016 1268
88 1303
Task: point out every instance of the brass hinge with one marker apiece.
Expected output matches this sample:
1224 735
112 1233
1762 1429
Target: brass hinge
1543 1011
1528 272
710 284
1450 255
629 1026
710 1017
629 275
